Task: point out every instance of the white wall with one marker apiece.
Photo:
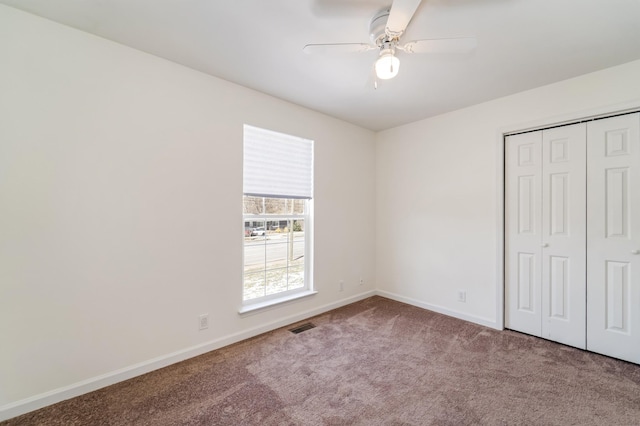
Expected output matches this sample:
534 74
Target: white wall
121 216
438 198
120 206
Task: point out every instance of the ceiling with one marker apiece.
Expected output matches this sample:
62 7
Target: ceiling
522 44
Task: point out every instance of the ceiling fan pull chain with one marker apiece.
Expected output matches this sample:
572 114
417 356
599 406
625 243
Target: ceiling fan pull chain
393 52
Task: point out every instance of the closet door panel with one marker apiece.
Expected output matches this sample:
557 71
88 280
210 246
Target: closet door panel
523 233
613 246
564 235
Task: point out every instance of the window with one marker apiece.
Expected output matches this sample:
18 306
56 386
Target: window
277 204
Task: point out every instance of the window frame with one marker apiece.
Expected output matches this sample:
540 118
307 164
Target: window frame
264 217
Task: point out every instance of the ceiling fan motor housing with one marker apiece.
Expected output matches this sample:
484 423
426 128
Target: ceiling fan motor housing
377 27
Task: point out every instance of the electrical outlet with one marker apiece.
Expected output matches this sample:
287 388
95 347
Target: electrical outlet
361 281
462 296
341 285
203 321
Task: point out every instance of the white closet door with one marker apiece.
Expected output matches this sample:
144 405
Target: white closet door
564 235
545 234
613 246
523 224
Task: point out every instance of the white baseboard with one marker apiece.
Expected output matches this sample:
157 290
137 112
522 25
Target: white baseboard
76 389
439 309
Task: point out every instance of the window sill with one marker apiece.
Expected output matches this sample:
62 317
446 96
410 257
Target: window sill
269 303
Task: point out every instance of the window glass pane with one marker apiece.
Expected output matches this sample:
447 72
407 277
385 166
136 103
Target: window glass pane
273 226
254 285
253 257
255 242
275 205
298 206
296 275
277 253
253 205
276 280
258 231
297 250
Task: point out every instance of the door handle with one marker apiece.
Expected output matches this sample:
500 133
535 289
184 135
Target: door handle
635 251
545 244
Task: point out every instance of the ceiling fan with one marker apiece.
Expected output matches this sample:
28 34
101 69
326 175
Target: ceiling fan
386 30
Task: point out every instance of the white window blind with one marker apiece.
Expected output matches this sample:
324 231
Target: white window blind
277 165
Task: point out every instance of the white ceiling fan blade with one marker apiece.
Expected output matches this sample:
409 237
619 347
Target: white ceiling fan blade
337 48
399 16
441 45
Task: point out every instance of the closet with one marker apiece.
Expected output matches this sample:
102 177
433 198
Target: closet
572 235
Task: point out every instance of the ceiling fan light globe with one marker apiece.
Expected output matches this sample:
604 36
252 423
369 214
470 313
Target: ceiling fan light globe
387 66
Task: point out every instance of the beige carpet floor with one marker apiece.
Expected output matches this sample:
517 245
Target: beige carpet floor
375 362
